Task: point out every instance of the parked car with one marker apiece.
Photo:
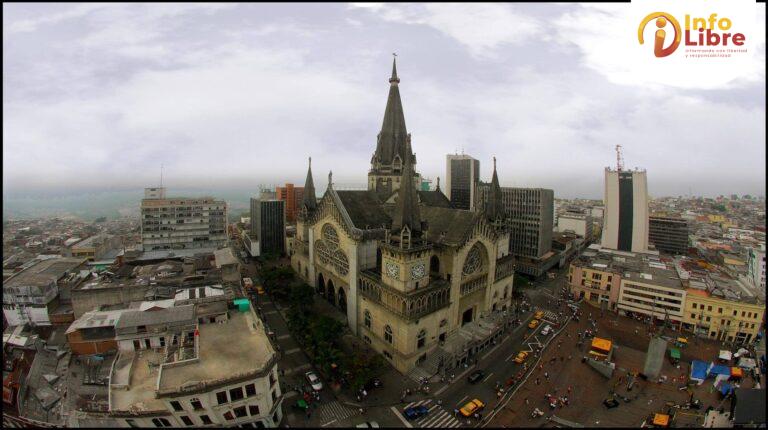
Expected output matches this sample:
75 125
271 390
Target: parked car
611 403
314 381
521 357
546 330
415 412
472 407
533 324
476 376
538 315
373 383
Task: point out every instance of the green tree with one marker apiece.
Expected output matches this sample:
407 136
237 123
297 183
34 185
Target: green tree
301 296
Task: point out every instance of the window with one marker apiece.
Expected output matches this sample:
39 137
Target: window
236 394
743 314
708 318
161 422
228 416
221 397
719 310
274 395
388 355
250 389
735 313
187 421
421 340
176 406
367 339
196 404
693 315
388 334
253 410
206 419
709 308
240 412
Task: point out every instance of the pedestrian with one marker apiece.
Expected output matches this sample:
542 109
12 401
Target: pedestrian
526 401
546 375
569 389
455 412
537 381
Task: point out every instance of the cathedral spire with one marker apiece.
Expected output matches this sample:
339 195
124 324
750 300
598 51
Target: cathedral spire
494 207
407 212
391 139
310 201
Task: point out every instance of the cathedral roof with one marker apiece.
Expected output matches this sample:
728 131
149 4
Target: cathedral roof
434 198
393 135
449 226
364 209
407 204
494 208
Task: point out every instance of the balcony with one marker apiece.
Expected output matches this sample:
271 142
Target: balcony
505 266
410 306
473 284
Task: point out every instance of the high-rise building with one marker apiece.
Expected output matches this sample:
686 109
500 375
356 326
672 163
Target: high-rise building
576 222
462 177
669 235
292 197
625 224
268 225
182 222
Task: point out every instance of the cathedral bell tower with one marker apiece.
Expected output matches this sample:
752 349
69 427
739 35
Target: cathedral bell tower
405 251
392 143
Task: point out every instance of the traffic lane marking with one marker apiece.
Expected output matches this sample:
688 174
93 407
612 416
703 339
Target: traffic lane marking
397 413
488 377
462 401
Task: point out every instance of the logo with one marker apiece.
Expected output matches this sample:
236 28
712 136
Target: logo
712 31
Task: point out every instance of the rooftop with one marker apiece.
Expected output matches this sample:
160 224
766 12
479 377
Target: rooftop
44 272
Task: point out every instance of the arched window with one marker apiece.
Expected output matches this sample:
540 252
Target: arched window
474 260
388 334
434 264
421 339
367 318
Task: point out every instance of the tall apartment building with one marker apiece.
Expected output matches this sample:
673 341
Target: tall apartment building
182 222
268 225
669 235
625 225
462 178
292 196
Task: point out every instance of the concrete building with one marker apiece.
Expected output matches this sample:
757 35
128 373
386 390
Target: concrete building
756 267
182 222
655 291
95 247
32 295
178 369
669 235
292 196
462 177
625 224
578 223
94 332
267 227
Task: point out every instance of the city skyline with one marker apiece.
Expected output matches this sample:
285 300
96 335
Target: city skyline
121 89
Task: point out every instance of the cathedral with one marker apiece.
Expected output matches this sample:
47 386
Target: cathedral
417 279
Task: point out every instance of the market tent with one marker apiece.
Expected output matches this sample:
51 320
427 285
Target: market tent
736 372
725 355
740 352
601 345
242 304
699 370
725 389
674 353
661 420
747 363
717 369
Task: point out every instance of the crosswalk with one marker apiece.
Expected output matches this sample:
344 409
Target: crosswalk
335 411
436 418
550 316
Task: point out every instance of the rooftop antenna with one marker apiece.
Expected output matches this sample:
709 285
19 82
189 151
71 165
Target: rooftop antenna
619 160
161 175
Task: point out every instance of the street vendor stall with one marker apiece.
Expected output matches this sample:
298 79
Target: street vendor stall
674 355
661 420
699 371
725 355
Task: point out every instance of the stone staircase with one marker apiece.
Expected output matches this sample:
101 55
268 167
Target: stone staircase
431 365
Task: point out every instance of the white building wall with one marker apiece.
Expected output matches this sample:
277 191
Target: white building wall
640 212
610 238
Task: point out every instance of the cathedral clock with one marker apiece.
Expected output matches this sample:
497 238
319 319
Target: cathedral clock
393 270
417 271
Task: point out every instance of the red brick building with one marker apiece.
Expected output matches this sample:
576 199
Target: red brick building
292 197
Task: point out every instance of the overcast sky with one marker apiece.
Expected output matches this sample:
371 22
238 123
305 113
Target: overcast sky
97 96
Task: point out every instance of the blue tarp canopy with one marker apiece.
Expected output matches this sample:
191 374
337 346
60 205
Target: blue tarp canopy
699 370
720 370
725 389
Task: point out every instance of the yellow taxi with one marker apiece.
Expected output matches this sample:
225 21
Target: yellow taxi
521 357
539 315
533 324
472 407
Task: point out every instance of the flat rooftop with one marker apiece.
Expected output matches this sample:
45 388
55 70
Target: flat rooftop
42 273
137 372
90 241
226 351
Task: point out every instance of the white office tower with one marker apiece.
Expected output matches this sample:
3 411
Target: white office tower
625 226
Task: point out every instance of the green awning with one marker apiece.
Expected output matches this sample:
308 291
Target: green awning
302 404
674 353
242 304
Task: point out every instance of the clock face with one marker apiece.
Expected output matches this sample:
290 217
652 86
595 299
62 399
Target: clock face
417 271
393 270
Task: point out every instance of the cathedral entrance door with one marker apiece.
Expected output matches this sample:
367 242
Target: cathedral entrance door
466 316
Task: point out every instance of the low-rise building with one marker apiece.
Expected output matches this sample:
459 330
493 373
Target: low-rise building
175 369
